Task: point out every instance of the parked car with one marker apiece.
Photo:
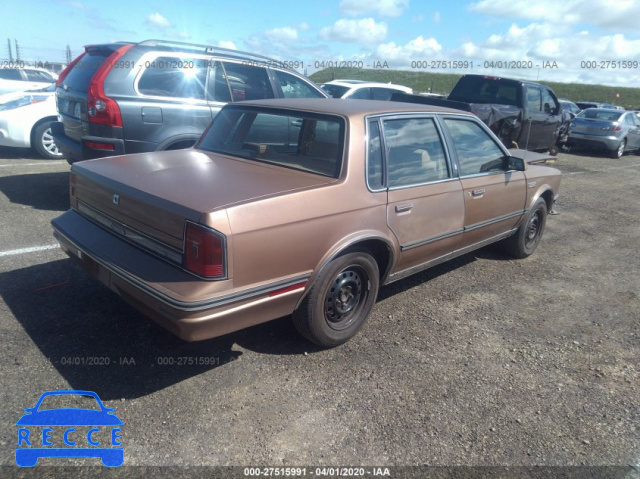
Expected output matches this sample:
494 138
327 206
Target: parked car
522 114
136 97
593 104
300 207
569 112
605 129
26 118
27 78
362 90
568 105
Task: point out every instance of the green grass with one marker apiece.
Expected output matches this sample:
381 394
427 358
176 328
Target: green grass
443 83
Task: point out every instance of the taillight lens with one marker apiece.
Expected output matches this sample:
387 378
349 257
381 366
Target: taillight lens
100 108
204 252
66 71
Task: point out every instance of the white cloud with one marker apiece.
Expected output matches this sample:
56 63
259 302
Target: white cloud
281 34
402 55
383 8
227 44
366 31
437 17
616 15
156 19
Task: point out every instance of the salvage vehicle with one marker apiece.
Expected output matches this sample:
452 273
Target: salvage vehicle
362 90
156 95
26 118
608 129
299 206
522 114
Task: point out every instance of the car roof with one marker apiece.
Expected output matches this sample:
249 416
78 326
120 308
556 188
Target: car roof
338 106
362 83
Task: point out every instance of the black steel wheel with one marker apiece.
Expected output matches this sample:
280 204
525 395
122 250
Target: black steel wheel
528 235
340 300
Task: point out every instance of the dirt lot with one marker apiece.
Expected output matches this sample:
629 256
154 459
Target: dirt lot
485 361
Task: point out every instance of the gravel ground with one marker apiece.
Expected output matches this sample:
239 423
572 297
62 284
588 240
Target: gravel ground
484 361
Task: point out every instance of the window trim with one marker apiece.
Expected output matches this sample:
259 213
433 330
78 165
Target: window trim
379 118
454 153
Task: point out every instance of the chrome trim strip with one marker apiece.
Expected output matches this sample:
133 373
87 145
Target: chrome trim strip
431 240
476 226
497 219
441 259
130 235
184 305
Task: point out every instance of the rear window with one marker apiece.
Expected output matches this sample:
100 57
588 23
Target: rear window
10 74
81 74
486 90
596 114
298 140
335 91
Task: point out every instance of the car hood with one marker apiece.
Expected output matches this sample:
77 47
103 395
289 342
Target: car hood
199 180
69 417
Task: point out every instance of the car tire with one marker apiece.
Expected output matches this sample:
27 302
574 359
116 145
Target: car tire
43 141
618 152
339 300
525 241
553 151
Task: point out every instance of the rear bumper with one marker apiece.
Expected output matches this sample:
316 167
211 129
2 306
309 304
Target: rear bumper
591 141
79 150
146 283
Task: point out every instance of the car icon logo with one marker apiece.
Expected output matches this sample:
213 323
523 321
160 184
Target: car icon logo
69 432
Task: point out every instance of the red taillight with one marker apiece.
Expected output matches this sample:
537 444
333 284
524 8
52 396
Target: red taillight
203 251
70 66
100 108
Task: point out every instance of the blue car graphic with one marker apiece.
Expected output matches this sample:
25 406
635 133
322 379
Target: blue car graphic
70 418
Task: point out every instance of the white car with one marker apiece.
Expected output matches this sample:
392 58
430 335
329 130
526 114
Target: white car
363 90
27 78
25 120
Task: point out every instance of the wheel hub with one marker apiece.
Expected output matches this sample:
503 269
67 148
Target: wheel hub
343 296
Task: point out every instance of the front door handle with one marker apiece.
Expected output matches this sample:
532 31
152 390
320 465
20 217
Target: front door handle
404 207
478 192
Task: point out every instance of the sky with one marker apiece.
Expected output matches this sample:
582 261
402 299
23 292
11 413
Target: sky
584 41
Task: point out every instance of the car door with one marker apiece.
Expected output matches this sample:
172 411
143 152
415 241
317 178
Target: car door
633 123
425 208
494 196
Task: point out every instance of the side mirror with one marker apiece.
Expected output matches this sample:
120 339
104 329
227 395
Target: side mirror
513 163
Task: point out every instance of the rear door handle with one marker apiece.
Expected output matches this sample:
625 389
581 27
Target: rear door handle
404 207
478 192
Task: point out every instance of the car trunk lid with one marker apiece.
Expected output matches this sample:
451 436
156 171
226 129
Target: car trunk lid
154 193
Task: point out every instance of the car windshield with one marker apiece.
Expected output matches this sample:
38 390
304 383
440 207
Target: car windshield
65 401
597 114
336 91
298 140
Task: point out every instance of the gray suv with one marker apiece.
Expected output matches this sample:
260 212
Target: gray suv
136 97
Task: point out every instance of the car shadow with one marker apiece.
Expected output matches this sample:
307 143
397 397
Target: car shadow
97 342
43 191
12 153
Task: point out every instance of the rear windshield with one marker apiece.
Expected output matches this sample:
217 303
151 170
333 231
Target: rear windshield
298 140
80 75
597 114
486 90
335 91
